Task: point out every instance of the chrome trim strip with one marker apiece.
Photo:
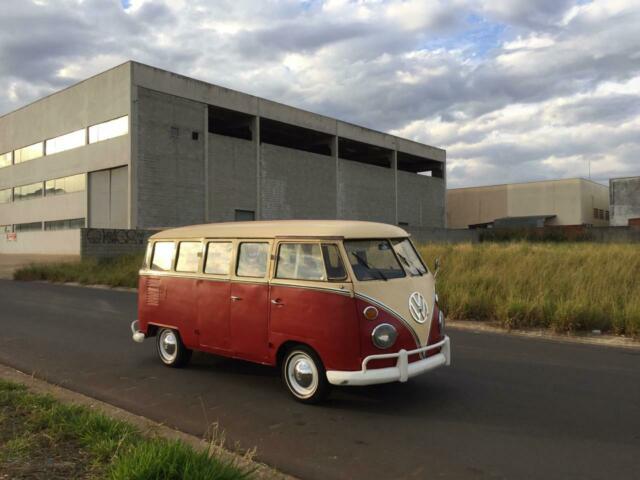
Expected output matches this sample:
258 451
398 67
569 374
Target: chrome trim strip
392 312
340 291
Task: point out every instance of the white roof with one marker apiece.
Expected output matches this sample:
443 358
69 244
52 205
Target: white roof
285 228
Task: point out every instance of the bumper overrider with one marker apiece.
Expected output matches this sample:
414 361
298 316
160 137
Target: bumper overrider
402 371
136 334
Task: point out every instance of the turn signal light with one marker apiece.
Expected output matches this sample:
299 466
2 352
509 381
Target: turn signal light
370 313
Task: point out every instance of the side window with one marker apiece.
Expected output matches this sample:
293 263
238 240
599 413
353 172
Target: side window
188 257
252 260
218 258
333 262
300 261
162 256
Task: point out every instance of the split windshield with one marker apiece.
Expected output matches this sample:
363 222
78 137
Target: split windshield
409 257
373 260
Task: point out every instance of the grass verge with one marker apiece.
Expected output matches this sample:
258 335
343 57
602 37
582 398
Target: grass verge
43 438
117 272
563 286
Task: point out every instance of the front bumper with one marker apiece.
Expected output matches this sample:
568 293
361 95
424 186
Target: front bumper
400 373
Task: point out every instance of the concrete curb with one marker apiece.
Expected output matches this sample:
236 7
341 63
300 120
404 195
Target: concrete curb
612 341
146 426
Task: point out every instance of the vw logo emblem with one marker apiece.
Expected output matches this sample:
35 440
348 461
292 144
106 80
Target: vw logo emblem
418 307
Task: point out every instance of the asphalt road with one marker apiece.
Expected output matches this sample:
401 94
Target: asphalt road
506 408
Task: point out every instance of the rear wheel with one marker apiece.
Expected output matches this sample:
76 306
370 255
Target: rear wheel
304 375
171 350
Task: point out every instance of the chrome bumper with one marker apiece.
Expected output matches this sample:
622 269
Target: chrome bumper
402 371
137 335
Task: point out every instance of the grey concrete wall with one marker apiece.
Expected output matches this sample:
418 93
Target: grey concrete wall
108 243
296 184
232 177
56 242
57 207
421 200
624 199
422 235
97 99
366 192
170 169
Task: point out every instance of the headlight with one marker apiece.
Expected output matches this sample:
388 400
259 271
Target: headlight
441 322
384 335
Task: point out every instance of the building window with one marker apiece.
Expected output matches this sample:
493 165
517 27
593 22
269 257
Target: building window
600 214
110 129
252 260
66 142
218 258
6 159
188 257
70 224
5 195
162 256
606 215
58 186
245 215
28 227
595 213
30 152
25 192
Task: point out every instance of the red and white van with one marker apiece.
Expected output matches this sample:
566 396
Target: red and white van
328 302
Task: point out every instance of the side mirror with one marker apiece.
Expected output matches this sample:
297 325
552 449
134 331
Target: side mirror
437 265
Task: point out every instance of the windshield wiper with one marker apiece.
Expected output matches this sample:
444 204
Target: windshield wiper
369 267
408 264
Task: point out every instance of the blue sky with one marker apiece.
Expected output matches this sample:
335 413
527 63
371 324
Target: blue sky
514 90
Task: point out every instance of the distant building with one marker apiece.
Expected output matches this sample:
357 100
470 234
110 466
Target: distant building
625 201
137 148
534 204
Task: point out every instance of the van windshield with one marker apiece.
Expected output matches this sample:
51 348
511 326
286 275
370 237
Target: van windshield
409 257
373 260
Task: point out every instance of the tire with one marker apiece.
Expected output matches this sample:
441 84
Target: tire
170 348
304 375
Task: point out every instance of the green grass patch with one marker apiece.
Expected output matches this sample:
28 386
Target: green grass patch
43 438
116 272
563 286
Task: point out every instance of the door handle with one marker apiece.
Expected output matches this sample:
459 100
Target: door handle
235 299
277 301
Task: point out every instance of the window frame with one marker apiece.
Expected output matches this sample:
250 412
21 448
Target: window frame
177 257
232 256
236 261
173 258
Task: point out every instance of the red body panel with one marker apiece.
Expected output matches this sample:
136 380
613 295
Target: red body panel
253 328
249 321
404 341
323 319
213 311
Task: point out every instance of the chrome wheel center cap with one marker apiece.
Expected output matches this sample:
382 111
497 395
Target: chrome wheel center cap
303 373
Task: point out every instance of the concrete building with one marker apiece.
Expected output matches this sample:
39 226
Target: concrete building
137 147
625 201
535 204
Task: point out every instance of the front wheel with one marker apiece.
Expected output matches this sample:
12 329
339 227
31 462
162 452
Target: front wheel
171 350
304 375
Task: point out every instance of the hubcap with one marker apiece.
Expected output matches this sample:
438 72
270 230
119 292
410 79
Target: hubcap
168 346
302 375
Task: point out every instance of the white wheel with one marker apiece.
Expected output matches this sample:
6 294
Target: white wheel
171 350
304 375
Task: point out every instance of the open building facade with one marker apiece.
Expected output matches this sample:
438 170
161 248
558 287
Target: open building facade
137 147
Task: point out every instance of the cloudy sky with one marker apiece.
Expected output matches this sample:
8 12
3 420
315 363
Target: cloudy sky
515 90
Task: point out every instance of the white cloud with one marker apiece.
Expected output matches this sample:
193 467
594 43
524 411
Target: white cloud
513 89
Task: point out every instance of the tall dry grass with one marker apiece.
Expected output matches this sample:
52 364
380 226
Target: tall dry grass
563 286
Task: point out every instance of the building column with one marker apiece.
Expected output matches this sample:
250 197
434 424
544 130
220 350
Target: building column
205 133
394 165
256 140
336 158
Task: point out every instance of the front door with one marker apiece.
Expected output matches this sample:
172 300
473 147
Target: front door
249 301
